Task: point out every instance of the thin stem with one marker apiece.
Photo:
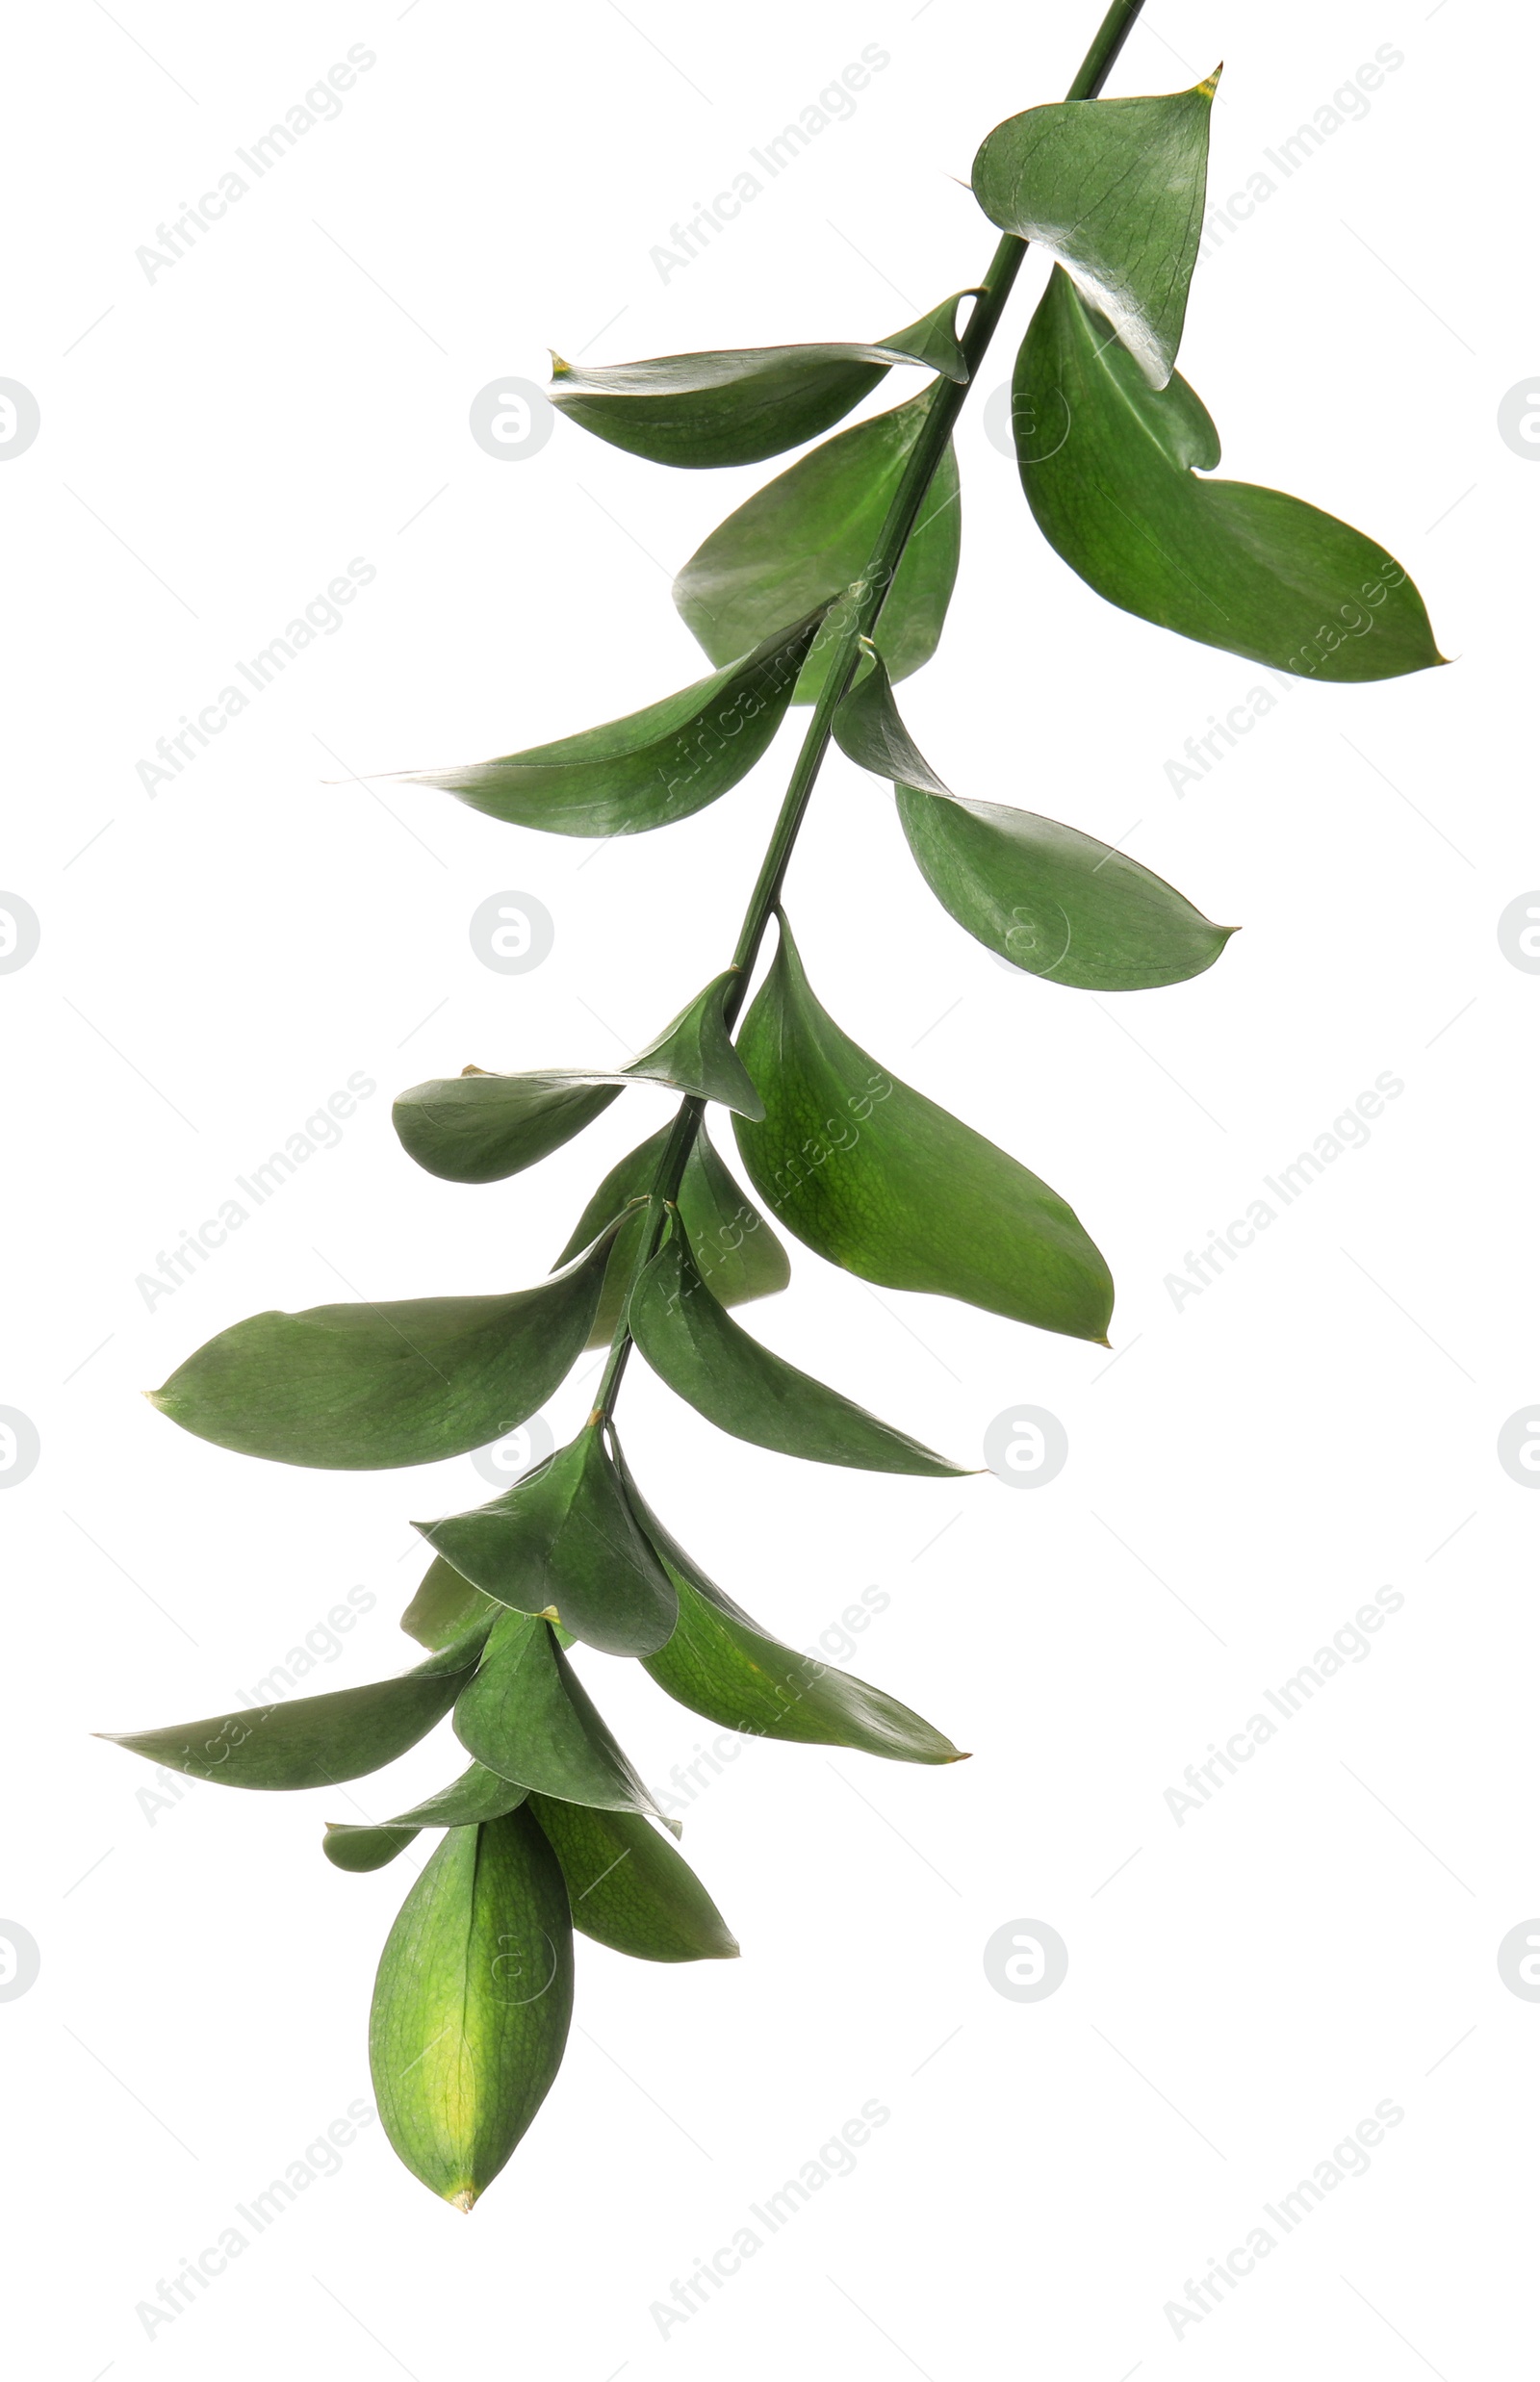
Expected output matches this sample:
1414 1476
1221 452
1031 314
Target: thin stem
853 617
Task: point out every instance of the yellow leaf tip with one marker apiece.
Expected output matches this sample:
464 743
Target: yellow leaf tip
1211 82
558 364
465 2199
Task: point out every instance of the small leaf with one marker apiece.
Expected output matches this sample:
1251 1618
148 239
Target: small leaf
526 1716
723 1665
1114 189
478 1795
315 1740
1108 467
742 404
445 1607
562 1542
653 766
480 1128
358 1389
472 2005
869 732
880 1180
735 1249
809 534
628 1888
692 1344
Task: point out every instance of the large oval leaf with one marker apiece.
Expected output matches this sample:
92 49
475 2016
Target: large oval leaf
880 1180
476 1794
562 1542
480 1128
1108 466
692 1344
735 1249
742 404
653 766
472 2005
628 1888
358 1389
527 1716
804 539
1114 189
314 1740
723 1666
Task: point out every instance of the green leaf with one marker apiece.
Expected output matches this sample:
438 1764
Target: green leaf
526 1716
1108 467
811 533
445 1607
1114 189
869 732
723 1666
315 1740
562 1542
736 1248
629 1889
358 1389
880 1180
478 1795
480 1128
655 765
692 1344
472 2005
741 405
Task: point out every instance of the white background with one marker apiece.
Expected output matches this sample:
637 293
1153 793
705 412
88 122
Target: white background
216 444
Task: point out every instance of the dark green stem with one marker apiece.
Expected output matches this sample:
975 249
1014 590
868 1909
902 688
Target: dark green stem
853 616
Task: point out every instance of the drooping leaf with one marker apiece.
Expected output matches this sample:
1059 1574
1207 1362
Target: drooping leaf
655 765
742 404
869 731
528 1717
723 1666
692 1344
314 1740
362 1387
1109 464
880 1180
806 537
562 1542
1114 189
472 2005
735 1249
445 1607
480 1128
628 1888
476 1794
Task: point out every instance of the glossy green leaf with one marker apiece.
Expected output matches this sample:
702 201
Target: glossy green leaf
628 1888
742 404
562 1542
1108 466
657 765
314 1740
1054 901
723 1666
692 1343
480 1128
734 1247
358 1389
1114 189
880 1180
811 533
476 1794
869 731
446 1606
528 1717
472 2005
